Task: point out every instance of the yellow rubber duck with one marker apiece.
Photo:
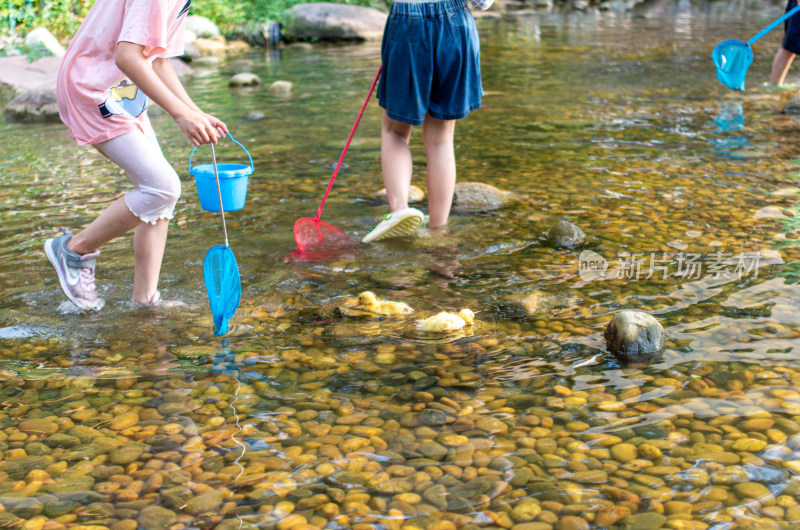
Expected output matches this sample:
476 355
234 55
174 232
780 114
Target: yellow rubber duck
367 301
445 321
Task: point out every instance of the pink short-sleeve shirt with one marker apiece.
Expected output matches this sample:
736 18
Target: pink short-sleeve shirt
95 100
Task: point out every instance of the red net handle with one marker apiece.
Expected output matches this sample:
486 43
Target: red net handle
346 145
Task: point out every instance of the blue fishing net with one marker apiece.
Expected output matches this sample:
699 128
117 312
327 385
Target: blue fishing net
732 59
221 274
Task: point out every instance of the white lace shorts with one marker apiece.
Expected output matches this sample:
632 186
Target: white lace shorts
158 186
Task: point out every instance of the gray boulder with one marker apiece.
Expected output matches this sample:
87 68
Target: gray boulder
635 337
566 234
42 39
37 105
327 21
202 27
20 75
477 196
792 106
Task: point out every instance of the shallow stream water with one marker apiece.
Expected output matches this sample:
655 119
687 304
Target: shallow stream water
300 417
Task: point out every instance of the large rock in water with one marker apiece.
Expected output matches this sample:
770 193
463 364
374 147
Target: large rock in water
477 196
327 21
244 79
20 75
566 234
635 337
37 105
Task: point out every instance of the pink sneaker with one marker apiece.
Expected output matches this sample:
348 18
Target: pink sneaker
75 272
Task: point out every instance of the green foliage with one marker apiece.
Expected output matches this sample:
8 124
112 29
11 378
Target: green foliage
230 14
63 17
17 13
225 13
10 44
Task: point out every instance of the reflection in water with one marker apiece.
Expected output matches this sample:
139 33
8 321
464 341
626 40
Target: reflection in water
730 120
226 363
730 117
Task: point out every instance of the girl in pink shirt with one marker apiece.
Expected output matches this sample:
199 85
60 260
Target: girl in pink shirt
116 61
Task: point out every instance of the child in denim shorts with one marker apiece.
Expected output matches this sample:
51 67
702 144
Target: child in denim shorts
431 77
789 47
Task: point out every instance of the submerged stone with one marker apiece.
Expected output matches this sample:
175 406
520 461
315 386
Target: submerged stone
244 79
206 502
634 336
156 518
281 88
644 521
477 196
566 234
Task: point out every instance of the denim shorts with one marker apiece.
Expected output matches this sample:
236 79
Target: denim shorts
791 38
431 62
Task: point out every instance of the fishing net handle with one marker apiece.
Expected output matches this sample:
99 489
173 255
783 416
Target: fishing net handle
219 193
772 26
347 144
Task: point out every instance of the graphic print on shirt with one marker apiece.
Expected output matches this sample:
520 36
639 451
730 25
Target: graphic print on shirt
125 98
184 9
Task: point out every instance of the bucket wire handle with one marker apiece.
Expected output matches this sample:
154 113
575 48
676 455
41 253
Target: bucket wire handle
229 135
219 193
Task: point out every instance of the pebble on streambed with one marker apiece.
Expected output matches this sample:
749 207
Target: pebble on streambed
281 88
566 234
244 79
430 445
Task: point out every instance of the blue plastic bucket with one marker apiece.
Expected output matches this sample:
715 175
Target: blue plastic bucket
233 180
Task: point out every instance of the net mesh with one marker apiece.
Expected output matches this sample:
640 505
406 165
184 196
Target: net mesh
732 59
221 274
315 235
